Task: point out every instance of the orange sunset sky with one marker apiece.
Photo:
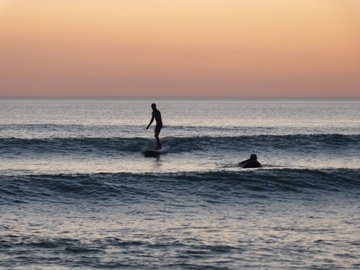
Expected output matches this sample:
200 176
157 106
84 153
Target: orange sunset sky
180 48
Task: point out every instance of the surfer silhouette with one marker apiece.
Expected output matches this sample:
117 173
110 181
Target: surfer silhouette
250 163
157 116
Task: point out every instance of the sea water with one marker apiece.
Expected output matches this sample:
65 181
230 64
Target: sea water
76 191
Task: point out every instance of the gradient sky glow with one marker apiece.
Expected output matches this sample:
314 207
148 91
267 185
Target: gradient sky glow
180 48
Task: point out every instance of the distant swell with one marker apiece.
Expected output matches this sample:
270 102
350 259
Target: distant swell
69 145
316 142
218 186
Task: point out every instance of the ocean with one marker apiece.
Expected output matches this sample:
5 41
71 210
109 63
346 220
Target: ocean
76 191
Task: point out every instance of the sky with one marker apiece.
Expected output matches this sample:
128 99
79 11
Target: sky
180 48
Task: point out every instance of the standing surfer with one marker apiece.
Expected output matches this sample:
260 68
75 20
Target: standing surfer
157 116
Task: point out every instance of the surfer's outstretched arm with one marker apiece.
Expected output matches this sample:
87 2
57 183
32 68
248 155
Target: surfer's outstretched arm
152 120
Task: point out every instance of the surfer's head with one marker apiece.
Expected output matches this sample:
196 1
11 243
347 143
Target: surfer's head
253 157
153 106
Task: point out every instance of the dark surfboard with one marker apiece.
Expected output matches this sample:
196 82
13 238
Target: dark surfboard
154 152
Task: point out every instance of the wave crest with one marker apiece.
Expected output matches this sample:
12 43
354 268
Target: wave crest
220 186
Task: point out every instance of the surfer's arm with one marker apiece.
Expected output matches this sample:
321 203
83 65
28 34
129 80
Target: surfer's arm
152 120
243 162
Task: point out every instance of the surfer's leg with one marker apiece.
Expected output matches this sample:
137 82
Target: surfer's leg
157 132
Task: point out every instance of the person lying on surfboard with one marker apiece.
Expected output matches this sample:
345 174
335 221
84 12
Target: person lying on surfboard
157 116
250 163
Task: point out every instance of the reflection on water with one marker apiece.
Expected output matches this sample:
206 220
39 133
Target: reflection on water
215 232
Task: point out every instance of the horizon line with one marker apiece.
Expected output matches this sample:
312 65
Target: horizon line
175 97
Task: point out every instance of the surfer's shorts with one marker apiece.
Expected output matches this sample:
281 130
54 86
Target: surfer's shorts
157 130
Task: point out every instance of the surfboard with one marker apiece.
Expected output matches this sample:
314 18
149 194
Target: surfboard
249 164
154 152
